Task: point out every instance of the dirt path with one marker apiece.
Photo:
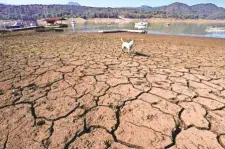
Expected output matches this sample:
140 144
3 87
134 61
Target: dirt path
80 91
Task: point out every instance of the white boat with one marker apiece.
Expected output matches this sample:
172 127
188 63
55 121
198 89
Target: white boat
141 25
215 29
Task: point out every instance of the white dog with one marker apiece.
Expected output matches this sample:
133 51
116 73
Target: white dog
128 45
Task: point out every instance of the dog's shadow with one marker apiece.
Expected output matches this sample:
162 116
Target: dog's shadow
140 54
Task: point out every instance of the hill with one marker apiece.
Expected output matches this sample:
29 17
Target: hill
145 7
203 11
73 3
175 10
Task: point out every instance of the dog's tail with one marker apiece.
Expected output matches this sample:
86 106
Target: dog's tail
122 39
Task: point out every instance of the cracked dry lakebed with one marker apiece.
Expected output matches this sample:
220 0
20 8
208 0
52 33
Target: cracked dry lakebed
80 91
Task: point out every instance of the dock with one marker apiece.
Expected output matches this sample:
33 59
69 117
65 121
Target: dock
49 30
123 30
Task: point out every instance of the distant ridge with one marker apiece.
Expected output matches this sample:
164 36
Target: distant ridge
146 7
205 11
73 3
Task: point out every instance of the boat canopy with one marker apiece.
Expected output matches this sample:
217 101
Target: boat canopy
53 20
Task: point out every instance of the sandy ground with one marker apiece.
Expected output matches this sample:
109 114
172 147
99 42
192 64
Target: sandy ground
80 91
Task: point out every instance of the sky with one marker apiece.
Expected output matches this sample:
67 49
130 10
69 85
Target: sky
116 3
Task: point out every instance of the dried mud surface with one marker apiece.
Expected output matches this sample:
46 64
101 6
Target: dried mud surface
80 91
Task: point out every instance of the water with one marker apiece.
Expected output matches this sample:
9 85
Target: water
182 29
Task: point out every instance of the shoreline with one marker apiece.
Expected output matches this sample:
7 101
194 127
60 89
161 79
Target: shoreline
127 20
31 33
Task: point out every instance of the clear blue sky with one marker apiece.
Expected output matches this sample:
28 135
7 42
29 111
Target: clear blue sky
116 3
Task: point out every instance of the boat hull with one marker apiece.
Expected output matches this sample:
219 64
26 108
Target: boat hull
215 29
141 25
13 27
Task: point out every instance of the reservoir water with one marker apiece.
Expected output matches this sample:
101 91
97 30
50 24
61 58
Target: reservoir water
182 29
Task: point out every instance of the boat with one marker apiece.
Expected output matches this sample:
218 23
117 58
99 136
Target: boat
52 23
212 29
57 26
16 25
27 28
141 25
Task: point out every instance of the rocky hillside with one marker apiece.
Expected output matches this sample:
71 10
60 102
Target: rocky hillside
175 10
205 11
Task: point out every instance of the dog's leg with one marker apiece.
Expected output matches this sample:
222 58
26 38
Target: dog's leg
128 49
122 48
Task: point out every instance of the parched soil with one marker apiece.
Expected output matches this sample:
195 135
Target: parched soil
81 91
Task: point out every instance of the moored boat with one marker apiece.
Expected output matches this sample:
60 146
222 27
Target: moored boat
141 25
215 29
16 25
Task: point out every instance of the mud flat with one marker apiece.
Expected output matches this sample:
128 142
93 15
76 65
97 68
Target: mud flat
81 91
